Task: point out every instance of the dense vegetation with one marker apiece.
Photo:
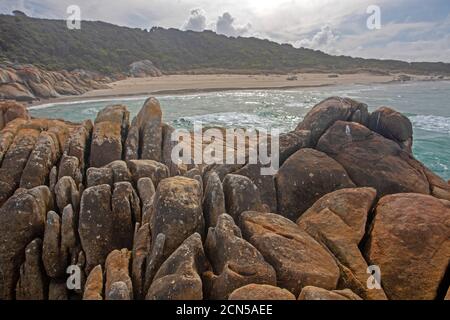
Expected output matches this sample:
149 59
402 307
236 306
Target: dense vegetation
108 48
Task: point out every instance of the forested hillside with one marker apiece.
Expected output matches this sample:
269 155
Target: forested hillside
108 48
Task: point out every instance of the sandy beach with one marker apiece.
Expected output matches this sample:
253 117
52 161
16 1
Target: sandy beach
181 84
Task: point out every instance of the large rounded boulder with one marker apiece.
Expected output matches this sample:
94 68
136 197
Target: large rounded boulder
178 211
392 125
410 242
327 112
304 178
297 258
371 160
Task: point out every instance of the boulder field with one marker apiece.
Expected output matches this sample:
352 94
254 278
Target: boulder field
97 211
26 82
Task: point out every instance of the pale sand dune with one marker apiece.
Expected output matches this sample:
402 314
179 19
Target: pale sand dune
219 82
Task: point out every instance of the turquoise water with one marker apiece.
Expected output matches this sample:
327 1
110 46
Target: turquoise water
427 104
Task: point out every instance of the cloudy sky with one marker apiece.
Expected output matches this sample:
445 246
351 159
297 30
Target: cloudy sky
411 30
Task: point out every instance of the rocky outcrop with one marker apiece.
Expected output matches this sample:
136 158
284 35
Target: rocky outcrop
15 161
264 183
144 140
338 222
392 125
30 149
144 68
438 187
110 129
117 272
326 113
22 220
241 195
126 210
293 141
57 290
107 220
235 262
10 110
94 285
178 211
352 206
298 259
372 160
155 259
214 200
44 156
136 225
67 193
156 171
28 82
179 277
32 282
409 240
261 292
96 225
60 242
167 147
75 158
304 178
140 255
314 293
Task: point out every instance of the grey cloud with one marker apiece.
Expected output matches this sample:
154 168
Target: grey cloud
225 26
325 39
196 21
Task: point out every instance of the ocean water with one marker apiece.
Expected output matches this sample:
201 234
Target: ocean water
427 104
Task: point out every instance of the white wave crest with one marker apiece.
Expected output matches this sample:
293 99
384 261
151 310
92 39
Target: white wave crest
431 123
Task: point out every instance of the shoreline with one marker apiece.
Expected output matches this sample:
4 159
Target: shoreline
80 98
192 84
